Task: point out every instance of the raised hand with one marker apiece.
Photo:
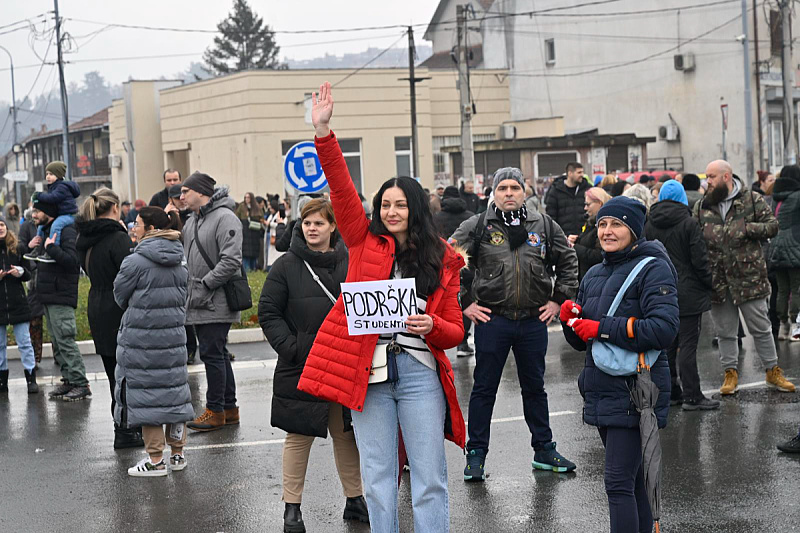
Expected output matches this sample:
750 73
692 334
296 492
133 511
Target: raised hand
322 109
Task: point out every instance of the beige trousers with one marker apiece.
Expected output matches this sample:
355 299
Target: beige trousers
154 437
295 459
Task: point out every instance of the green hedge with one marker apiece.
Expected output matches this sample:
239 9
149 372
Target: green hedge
249 318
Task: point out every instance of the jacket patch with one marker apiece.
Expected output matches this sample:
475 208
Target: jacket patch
497 238
534 239
232 233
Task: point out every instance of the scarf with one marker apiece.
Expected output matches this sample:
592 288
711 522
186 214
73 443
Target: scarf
515 224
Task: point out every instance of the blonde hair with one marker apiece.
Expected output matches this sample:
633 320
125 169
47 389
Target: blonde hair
608 181
98 203
598 194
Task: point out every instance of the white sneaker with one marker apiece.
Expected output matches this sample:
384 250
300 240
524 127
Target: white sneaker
145 468
177 462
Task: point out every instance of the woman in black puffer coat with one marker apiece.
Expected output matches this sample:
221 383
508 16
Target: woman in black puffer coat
102 245
291 310
784 252
14 308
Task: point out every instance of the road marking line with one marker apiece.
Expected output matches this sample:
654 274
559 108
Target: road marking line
745 386
281 441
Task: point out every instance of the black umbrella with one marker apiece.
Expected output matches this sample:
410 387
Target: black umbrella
645 396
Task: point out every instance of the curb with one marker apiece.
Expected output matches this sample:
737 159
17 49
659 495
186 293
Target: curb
235 336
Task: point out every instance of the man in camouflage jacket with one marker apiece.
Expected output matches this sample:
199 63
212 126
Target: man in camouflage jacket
735 221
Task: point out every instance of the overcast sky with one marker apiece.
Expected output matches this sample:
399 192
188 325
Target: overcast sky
102 51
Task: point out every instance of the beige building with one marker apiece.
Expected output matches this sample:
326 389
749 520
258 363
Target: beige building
237 128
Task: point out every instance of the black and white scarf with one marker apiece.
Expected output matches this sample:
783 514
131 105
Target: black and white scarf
515 224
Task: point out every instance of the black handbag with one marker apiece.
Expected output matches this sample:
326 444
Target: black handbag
237 289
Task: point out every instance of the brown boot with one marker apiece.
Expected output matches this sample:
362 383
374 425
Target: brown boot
207 421
231 416
776 380
731 383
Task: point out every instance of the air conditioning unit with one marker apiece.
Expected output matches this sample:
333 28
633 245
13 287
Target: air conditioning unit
669 133
508 132
114 161
684 62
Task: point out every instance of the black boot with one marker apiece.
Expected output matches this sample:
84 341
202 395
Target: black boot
356 509
127 438
293 519
30 377
3 380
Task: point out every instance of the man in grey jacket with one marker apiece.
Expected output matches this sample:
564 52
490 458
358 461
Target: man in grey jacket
518 287
212 230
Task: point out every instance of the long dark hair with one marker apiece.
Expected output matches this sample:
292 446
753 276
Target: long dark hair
424 251
157 218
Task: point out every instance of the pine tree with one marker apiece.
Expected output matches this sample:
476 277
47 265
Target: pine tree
245 43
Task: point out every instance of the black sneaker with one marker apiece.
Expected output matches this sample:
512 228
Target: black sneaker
356 509
701 404
474 469
464 350
77 394
791 446
44 257
60 391
549 459
33 255
676 396
293 519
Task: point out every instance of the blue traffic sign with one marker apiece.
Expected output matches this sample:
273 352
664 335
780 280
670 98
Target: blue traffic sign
302 168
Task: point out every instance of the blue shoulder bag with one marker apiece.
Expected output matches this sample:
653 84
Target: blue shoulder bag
612 359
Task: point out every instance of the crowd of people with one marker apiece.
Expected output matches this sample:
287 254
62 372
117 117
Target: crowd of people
624 267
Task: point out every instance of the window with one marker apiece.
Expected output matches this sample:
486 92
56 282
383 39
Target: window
550 51
440 163
402 155
775 33
553 163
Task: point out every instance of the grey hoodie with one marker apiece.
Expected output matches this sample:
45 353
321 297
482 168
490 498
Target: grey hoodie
220 233
725 205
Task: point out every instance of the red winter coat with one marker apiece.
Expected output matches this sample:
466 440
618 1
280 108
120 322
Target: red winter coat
337 368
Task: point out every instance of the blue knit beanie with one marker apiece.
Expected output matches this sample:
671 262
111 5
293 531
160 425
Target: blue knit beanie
673 190
629 211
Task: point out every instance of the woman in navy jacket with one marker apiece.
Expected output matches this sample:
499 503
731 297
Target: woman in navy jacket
652 300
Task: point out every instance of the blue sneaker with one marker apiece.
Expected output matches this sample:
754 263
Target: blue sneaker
549 459
474 469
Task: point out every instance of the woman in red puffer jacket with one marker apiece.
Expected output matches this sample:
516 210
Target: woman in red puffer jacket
400 242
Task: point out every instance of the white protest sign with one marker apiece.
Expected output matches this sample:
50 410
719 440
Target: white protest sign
379 306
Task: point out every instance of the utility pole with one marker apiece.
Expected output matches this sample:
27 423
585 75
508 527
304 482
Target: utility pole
412 81
789 130
758 86
748 100
17 184
467 153
64 112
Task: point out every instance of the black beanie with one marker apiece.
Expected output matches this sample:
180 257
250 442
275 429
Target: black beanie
202 183
451 192
47 208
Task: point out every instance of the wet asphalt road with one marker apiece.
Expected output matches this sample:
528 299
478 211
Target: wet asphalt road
722 472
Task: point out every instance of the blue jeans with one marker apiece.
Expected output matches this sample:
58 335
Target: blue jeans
56 227
628 506
23 336
416 402
493 340
249 263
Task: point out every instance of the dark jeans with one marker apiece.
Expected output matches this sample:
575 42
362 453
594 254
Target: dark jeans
493 340
212 339
467 325
110 365
628 506
682 357
250 263
788 303
191 340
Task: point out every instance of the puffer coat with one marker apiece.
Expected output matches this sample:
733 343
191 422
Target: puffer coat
152 378
784 250
653 299
291 310
14 308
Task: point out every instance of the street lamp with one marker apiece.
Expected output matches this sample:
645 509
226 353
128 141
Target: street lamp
14 118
